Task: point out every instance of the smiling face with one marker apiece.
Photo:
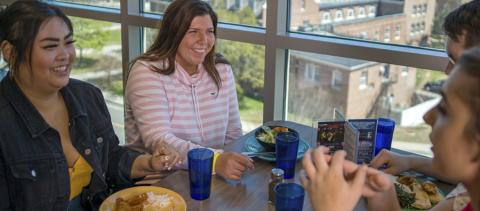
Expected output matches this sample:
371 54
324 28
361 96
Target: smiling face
196 44
53 54
455 152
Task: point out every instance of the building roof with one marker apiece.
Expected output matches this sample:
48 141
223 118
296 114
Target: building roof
340 62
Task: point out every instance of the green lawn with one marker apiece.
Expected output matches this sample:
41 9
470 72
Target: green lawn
424 76
114 37
252 111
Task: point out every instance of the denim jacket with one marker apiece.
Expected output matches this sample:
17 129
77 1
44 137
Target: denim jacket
33 168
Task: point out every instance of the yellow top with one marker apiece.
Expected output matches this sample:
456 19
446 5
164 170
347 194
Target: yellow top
80 176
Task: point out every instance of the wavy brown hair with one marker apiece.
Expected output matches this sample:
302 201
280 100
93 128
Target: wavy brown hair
175 24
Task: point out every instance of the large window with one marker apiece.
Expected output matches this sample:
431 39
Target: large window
363 89
100 3
424 16
281 71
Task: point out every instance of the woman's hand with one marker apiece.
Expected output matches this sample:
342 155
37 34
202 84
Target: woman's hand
164 157
231 165
394 163
327 187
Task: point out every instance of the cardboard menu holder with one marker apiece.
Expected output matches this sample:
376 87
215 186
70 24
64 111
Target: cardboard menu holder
356 137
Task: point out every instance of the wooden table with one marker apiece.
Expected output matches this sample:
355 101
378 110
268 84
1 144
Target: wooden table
249 193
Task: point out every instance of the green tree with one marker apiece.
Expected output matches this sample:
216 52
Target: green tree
244 16
89 34
248 65
246 59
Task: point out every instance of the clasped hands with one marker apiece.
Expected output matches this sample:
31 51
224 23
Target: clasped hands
164 157
334 183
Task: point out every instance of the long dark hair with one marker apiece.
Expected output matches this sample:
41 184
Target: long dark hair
176 21
19 25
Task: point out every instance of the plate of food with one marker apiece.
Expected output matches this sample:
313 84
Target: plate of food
144 198
252 145
265 136
414 193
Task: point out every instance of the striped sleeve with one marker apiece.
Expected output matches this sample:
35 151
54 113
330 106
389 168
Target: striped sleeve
234 127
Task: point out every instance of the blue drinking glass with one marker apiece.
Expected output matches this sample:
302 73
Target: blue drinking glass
200 162
289 197
383 140
286 146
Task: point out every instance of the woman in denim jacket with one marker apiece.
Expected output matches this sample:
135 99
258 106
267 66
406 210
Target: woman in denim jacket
58 150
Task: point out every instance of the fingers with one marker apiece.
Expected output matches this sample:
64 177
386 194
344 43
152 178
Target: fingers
303 179
243 160
308 164
338 159
325 150
391 170
381 159
379 182
232 165
319 159
359 179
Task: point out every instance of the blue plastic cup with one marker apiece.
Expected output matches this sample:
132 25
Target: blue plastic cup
383 140
200 162
286 146
289 196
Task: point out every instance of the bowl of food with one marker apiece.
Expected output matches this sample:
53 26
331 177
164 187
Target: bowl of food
265 136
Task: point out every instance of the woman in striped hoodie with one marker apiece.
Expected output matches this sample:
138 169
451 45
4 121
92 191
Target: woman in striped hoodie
181 93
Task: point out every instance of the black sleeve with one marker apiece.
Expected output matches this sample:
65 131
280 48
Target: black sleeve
120 159
4 194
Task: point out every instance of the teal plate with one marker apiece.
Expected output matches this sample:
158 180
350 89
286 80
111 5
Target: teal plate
252 145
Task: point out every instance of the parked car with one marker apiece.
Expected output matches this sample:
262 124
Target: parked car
434 86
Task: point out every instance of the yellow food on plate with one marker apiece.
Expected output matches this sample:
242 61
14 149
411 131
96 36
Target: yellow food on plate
422 201
145 202
413 193
432 192
268 134
280 129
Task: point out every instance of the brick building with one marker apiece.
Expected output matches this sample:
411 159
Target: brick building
357 87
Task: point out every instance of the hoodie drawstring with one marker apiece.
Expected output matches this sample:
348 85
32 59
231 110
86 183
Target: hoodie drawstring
197 112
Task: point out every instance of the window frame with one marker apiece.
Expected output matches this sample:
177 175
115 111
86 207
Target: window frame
277 39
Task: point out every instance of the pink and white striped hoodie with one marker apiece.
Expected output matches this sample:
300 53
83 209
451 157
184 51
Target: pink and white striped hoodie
183 111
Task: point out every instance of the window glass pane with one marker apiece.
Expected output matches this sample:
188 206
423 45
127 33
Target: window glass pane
364 89
100 3
413 23
99 62
245 12
248 64
3 67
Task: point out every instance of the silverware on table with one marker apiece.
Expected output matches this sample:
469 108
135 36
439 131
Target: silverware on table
254 154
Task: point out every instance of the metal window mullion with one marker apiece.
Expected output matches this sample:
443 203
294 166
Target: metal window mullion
131 35
90 12
274 93
384 53
244 34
